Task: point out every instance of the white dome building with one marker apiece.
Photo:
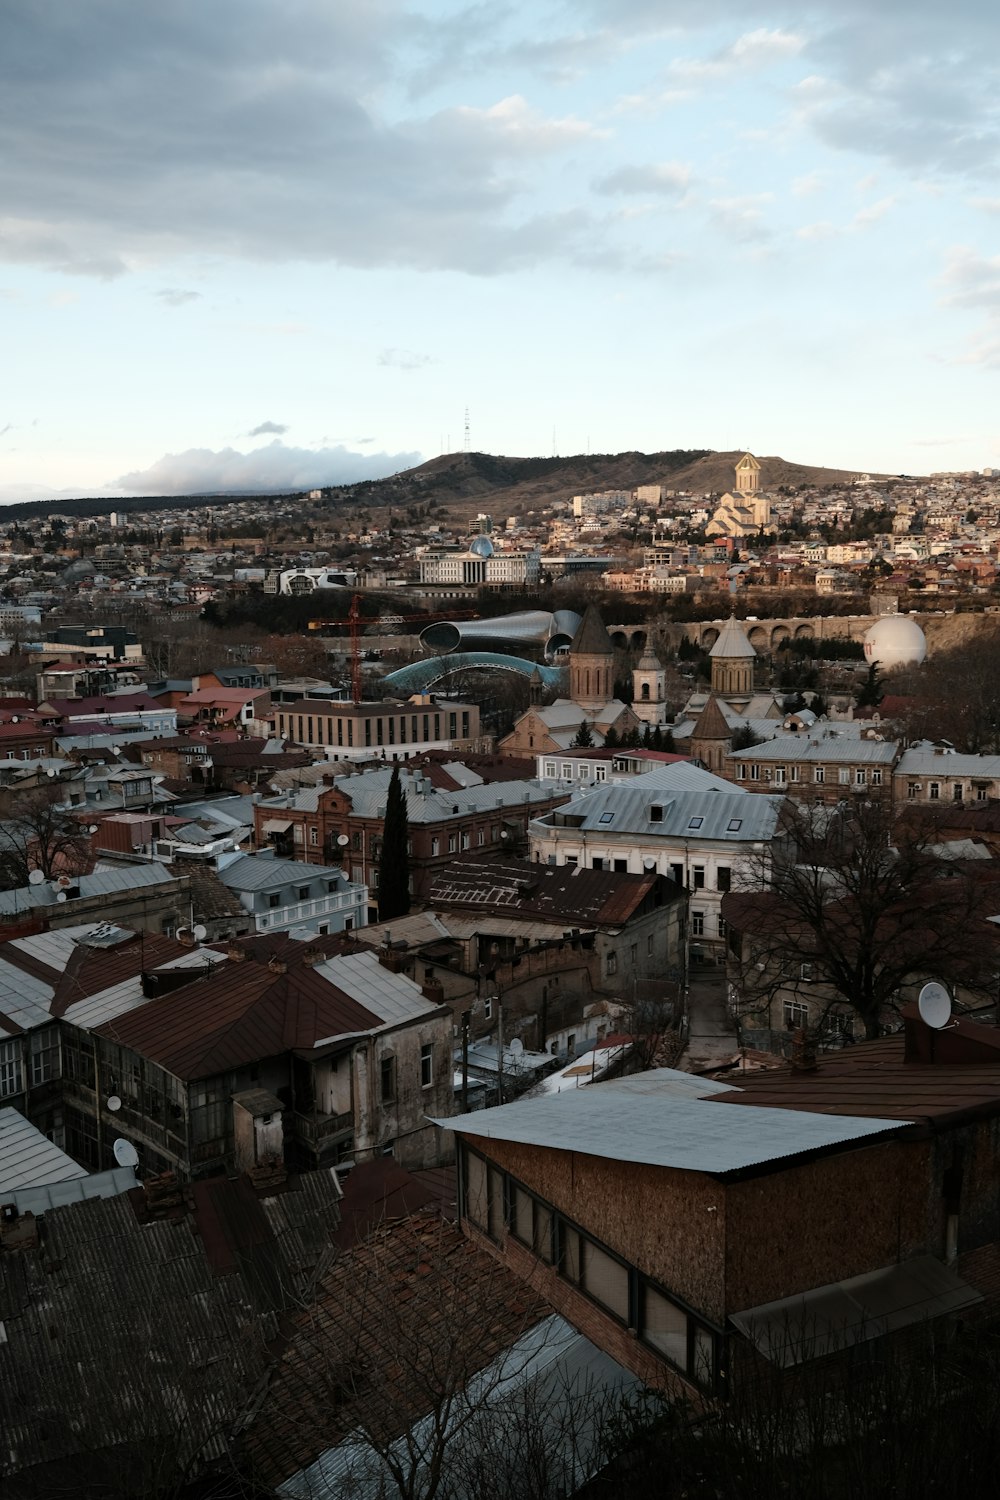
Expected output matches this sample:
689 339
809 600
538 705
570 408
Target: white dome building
895 641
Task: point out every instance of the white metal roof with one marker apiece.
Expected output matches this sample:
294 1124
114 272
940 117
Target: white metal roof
28 1158
916 762
642 1119
828 746
614 808
392 997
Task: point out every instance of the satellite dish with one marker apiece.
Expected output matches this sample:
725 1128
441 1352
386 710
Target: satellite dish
649 863
934 1005
50 772
60 895
92 828
199 933
14 719
125 1153
343 840
516 1046
114 1104
36 877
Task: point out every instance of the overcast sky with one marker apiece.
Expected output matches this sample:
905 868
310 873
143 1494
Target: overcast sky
246 243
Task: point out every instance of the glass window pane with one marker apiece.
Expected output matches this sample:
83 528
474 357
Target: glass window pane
543 1233
496 1203
665 1327
475 1204
570 1254
704 1356
522 1216
605 1280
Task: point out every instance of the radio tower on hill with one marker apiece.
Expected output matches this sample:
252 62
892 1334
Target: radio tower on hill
468 443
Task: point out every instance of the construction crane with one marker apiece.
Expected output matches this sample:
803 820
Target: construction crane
354 622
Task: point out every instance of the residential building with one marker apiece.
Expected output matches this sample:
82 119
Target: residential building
937 774
287 895
397 729
344 821
819 766
679 821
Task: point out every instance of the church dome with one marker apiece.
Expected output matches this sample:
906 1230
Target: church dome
895 641
481 547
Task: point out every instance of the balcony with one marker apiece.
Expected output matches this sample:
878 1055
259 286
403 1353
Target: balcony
281 917
318 1128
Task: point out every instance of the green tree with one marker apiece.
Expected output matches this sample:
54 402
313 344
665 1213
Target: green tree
871 691
584 737
394 859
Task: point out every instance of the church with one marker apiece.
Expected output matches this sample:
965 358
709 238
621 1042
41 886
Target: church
748 511
591 698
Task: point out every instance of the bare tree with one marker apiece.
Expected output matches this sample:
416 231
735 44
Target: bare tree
42 836
873 904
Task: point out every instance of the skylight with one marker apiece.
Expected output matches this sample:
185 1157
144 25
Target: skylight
696 822
735 824
606 817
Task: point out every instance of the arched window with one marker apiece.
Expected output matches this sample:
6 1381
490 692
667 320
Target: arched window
645 692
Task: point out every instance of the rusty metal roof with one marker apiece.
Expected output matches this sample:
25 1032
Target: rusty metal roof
559 893
872 1080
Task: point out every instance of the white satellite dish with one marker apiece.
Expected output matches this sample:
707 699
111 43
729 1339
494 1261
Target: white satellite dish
92 828
125 1153
516 1046
649 863
343 840
114 1104
36 877
199 933
60 895
934 1005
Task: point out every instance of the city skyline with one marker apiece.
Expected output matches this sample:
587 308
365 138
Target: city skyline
245 246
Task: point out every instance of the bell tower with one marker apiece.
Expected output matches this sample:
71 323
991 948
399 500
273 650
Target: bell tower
591 662
649 686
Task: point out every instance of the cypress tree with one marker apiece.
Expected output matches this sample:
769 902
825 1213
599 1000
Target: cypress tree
394 860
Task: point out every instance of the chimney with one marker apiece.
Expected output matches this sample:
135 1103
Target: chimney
235 953
163 1196
433 992
185 937
803 1051
277 965
313 956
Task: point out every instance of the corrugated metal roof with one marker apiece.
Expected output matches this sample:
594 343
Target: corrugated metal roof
642 1119
733 816
255 872
39 1200
106 880
24 1000
573 895
369 790
828 1318
393 998
825 748
917 762
28 1158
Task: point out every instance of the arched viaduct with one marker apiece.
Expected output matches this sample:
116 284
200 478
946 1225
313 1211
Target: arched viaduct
764 635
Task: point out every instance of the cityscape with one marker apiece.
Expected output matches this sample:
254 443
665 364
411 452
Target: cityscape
499 950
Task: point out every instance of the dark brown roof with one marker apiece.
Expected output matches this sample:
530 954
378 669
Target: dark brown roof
236 1014
413 1305
872 1080
564 893
710 724
378 1192
92 970
591 638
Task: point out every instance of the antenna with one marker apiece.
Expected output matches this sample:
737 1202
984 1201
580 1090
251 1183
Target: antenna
125 1153
934 1005
354 623
467 440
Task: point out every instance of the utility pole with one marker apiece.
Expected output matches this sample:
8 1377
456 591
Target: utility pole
465 1061
500 1097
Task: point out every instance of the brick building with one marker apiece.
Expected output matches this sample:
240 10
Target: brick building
343 730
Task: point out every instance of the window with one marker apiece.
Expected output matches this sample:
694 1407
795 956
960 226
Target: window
755 772
699 877
877 776
481 837
10 1068
43 1057
314 836
982 790
633 953
488 1007
819 774
274 900
649 946
844 775
435 846
665 1326
303 893
795 1015
677 874
606 818
621 866
550 769
567 770
723 878
741 772
957 791
913 789
697 924
779 775
934 790
453 843
656 813
605 1279
612 963
466 838
806 971
695 822
388 1079
723 928
860 776
426 1065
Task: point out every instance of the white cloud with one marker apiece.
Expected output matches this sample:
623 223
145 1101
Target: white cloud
263 428
275 467
805 186
669 179
403 359
750 52
175 296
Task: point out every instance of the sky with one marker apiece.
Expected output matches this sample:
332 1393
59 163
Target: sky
272 244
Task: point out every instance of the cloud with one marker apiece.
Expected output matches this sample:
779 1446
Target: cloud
154 133
403 359
667 179
275 467
971 280
279 428
750 52
174 296
742 218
